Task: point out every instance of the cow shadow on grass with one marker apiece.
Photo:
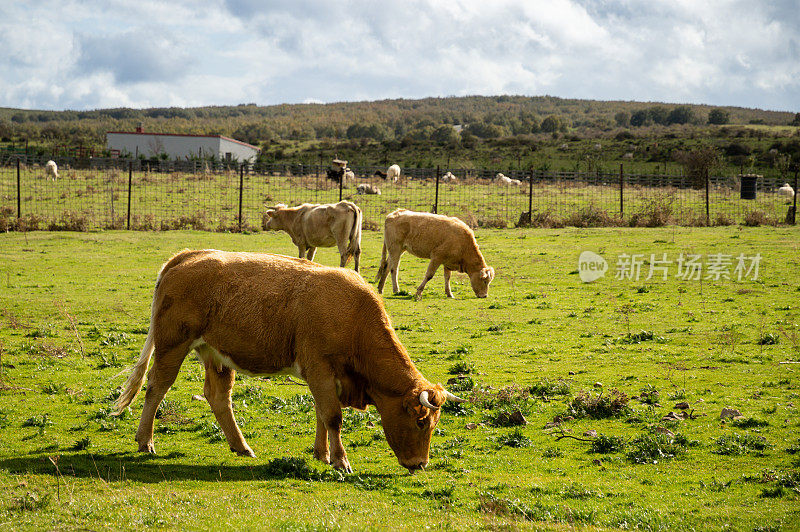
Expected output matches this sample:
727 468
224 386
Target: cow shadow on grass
138 467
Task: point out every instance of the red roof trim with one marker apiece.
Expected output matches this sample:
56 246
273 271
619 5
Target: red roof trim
185 135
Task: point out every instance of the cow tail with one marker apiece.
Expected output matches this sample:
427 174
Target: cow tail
135 380
355 233
384 261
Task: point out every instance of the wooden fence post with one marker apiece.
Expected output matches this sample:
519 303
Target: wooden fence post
341 185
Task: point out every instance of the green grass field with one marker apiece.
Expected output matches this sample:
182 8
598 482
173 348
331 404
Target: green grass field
614 356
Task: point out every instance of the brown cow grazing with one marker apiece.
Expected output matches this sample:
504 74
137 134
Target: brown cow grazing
266 314
312 226
444 240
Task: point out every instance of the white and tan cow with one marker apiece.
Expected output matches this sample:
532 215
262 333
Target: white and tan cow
446 241
263 314
327 225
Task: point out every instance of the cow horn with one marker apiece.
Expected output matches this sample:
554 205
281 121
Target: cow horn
423 399
454 398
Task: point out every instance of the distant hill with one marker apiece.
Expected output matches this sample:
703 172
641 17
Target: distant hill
482 117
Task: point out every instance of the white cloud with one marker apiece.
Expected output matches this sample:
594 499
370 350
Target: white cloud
91 54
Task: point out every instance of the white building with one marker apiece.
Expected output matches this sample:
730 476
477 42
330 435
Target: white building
178 146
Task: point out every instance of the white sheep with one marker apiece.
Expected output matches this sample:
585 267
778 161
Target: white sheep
787 191
449 177
366 188
349 175
393 173
51 170
503 180
628 155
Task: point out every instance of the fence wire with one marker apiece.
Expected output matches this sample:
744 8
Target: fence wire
92 194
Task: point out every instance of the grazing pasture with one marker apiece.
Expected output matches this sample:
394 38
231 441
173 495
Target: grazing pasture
109 197
573 419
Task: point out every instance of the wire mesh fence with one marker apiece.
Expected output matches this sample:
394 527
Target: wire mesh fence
96 193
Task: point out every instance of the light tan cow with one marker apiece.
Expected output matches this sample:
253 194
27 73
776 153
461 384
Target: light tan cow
446 241
327 225
265 314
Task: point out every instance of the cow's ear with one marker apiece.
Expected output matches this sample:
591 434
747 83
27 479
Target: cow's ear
412 406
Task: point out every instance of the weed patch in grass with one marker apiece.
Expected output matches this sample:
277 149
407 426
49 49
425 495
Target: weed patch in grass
607 444
600 406
749 423
738 444
461 368
548 388
653 447
514 439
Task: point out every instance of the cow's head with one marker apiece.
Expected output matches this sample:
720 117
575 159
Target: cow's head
480 281
272 219
408 422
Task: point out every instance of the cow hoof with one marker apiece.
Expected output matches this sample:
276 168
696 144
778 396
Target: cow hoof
247 452
343 466
147 448
322 457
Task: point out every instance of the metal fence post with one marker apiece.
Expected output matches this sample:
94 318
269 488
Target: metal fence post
794 200
708 211
341 184
130 186
241 187
621 187
530 196
19 194
436 197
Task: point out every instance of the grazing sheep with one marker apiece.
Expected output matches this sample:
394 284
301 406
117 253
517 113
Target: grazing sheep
380 173
366 188
449 177
393 173
503 180
349 175
787 191
51 170
628 155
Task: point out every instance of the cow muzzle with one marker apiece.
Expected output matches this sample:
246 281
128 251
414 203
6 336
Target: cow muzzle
415 465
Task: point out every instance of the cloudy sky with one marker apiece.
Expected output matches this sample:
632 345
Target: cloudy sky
89 54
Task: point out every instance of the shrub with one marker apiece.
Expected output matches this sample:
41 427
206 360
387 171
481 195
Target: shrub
757 217
461 384
506 417
461 368
607 444
591 216
650 448
656 211
598 406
